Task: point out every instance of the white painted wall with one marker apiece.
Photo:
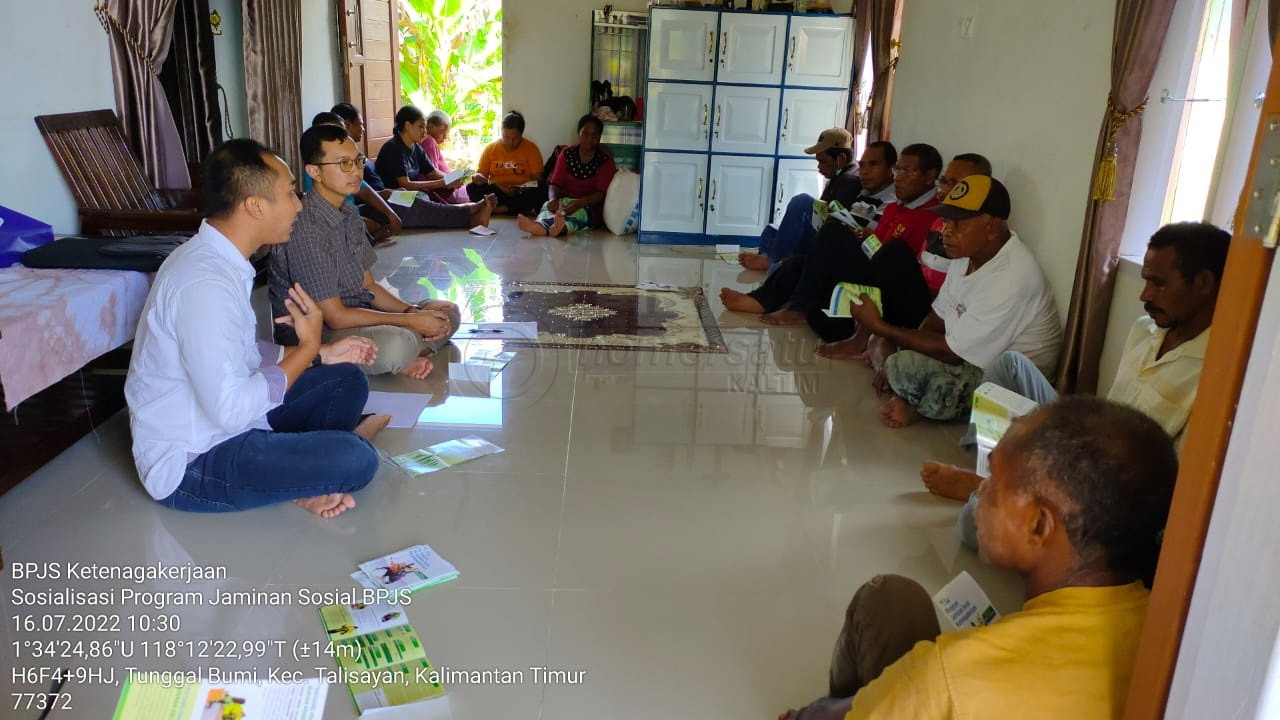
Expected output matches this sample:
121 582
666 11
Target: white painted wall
1125 308
1028 91
321 63
228 54
546 64
37 81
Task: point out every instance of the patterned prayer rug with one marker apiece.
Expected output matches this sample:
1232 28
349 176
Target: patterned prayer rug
579 315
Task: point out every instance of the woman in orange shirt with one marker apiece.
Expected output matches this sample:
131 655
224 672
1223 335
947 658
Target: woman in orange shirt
511 169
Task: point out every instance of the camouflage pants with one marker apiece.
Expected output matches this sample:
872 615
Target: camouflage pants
937 390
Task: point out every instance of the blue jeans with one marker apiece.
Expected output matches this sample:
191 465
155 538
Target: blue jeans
795 231
311 452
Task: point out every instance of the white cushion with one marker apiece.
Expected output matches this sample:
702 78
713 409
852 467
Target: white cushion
622 203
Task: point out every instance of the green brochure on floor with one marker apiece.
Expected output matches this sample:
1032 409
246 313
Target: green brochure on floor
174 698
445 455
380 657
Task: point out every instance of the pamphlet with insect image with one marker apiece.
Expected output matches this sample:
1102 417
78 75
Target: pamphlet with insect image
410 569
380 657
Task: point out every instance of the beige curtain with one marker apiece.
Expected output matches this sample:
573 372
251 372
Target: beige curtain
140 32
1140 28
273 75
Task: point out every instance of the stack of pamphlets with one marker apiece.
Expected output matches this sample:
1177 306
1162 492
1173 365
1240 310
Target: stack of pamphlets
994 409
380 657
845 294
964 604
446 454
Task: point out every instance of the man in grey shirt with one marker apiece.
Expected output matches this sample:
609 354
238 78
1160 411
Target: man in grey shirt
329 254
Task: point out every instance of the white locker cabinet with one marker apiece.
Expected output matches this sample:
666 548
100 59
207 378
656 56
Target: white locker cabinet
738 200
820 51
733 98
674 197
745 120
752 49
805 114
795 176
682 44
678 116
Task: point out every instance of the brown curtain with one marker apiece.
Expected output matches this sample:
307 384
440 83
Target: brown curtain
273 75
861 40
1140 28
140 32
879 16
190 79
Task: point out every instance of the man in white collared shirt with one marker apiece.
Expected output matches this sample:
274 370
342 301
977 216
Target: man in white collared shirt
221 421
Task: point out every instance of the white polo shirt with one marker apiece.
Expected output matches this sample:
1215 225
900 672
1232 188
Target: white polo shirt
198 375
1003 305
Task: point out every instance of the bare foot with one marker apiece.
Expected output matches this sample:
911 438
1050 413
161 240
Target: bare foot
327 506
897 413
557 224
482 211
852 348
739 302
784 317
531 226
949 481
371 426
878 351
754 261
418 369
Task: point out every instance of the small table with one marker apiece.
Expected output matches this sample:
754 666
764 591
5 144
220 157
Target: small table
53 322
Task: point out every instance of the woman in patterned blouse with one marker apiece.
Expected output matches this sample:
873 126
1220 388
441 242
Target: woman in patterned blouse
583 173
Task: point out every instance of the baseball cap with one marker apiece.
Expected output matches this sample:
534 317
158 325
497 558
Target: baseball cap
973 196
833 138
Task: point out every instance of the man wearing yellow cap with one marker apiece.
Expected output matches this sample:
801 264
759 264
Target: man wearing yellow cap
994 299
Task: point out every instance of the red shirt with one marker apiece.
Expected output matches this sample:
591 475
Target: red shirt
910 225
578 180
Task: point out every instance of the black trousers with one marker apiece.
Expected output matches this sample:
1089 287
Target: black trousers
524 201
835 256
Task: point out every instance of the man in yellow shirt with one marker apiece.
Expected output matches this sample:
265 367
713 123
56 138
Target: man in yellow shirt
1160 367
1078 496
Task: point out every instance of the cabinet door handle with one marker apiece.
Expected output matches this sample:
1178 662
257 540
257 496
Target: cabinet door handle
706 111
713 189
724 48
699 189
786 119
711 45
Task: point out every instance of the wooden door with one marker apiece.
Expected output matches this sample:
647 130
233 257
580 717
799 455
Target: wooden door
674 192
805 114
820 51
1235 322
370 35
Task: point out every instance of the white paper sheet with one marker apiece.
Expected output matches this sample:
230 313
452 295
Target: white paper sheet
404 408
483 231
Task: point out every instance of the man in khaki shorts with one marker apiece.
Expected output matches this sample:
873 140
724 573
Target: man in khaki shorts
329 254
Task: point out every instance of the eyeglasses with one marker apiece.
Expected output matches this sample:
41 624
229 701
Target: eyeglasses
899 170
945 183
347 164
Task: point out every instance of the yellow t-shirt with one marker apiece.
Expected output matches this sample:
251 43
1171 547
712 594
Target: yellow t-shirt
511 167
1068 654
1163 389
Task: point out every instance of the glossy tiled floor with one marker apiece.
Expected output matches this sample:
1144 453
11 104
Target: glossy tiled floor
686 529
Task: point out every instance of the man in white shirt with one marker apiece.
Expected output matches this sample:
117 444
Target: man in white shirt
994 299
1164 352
221 421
